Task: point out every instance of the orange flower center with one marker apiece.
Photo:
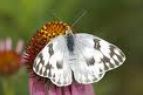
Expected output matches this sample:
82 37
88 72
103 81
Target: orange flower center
9 62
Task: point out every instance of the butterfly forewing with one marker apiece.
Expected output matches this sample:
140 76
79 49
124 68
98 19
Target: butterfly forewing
112 56
52 62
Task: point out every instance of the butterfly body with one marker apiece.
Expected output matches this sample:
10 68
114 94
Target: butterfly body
82 57
70 42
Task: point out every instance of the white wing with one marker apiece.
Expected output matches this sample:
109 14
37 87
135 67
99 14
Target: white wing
52 62
95 57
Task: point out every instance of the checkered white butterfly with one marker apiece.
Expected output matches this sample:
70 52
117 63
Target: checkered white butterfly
82 57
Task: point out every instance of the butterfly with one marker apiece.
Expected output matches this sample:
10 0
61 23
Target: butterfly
81 57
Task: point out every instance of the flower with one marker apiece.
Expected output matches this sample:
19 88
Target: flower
40 88
10 59
10 63
43 86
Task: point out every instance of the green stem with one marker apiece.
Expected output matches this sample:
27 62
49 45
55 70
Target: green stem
8 87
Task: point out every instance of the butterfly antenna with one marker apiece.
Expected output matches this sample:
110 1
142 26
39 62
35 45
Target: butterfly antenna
76 21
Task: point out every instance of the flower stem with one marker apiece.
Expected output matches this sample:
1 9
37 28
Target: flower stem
8 87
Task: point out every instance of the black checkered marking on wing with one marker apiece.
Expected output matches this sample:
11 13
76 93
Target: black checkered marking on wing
117 57
51 51
112 54
48 67
114 59
90 61
106 60
41 62
96 44
42 70
59 64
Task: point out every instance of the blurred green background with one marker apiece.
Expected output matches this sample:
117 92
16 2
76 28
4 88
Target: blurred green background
117 21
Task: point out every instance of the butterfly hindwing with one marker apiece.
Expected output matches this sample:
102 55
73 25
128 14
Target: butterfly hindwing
52 61
95 57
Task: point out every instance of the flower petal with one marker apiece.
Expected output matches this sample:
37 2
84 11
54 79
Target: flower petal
59 91
36 87
2 46
24 57
19 46
80 89
39 88
8 44
52 91
67 91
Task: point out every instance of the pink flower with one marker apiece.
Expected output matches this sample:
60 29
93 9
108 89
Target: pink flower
43 86
10 59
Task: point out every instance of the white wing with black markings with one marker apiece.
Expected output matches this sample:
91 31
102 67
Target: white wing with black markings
95 57
52 62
